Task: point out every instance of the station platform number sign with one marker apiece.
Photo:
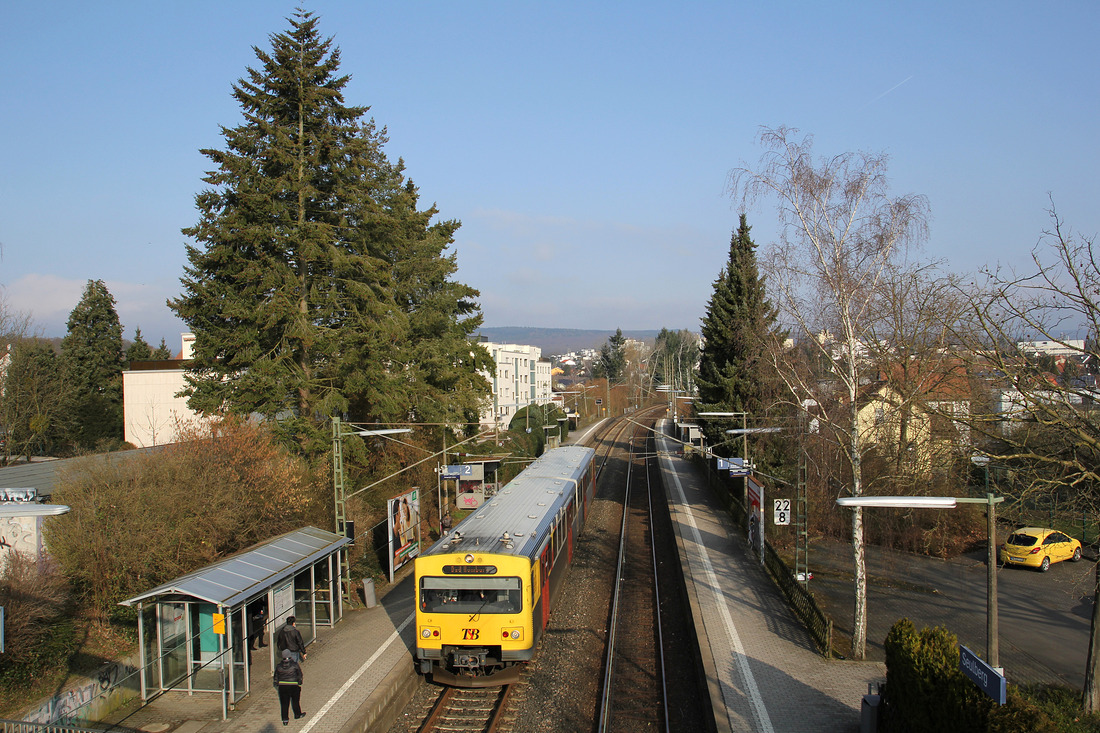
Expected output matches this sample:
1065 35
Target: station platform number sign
782 512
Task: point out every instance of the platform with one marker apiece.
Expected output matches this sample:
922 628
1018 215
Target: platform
356 674
764 673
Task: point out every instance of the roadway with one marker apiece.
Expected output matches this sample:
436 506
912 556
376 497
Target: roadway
1044 617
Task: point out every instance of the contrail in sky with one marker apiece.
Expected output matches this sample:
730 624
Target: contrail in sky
891 89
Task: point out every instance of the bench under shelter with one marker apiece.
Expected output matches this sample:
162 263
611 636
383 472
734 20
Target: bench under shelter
193 631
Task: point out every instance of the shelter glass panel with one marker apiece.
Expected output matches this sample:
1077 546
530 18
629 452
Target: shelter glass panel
239 653
204 648
323 592
173 639
303 605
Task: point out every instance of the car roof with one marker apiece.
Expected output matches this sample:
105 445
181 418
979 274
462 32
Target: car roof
1032 530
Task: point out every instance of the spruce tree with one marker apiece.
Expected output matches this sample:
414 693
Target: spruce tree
310 284
162 352
733 370
92 362
139 350
612 361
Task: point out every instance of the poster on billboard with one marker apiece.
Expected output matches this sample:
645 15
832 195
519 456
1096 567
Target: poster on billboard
404 524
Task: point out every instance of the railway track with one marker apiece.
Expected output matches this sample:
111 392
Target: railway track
633 693
469 710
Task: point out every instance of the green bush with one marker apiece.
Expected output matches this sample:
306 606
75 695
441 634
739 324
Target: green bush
926 691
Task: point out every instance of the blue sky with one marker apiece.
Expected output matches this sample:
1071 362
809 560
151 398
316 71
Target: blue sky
584 146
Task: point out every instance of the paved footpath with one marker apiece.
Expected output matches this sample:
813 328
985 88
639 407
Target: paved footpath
765 674
366 654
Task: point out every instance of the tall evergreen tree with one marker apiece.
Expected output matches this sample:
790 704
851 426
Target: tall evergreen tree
733 367
295 295
92 361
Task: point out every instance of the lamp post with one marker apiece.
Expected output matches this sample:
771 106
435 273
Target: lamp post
992 632
950 502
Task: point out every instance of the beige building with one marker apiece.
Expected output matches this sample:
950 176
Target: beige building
522 378
152 414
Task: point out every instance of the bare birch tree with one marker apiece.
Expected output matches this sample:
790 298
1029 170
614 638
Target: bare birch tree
840 231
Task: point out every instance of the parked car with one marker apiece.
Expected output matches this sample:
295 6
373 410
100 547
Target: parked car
1036 547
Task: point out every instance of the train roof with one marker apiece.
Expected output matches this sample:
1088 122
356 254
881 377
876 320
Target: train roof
523 509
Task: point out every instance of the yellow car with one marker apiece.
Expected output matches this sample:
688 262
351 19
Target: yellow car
1038 548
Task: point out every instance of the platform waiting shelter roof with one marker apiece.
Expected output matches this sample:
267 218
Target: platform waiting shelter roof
238 578
196 631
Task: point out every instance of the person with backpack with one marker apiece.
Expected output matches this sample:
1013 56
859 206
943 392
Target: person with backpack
288 679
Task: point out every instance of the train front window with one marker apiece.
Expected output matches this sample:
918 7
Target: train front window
470 595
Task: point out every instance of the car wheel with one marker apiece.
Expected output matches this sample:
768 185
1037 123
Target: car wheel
1045 566
1077 554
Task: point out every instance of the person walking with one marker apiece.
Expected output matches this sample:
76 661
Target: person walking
288 679
290 639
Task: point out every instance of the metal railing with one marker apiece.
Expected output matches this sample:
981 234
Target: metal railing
23 726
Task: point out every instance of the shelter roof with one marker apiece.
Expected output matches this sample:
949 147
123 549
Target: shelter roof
250 572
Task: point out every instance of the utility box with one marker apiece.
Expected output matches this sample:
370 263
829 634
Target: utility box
868 719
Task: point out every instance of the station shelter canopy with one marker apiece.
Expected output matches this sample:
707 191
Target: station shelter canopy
196 638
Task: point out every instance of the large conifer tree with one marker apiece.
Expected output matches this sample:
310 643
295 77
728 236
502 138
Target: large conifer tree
296 294
739 320
92 361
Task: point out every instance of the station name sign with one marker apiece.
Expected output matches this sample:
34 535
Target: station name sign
991 682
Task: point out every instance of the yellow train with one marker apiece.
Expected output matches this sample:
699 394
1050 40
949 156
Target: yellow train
484 592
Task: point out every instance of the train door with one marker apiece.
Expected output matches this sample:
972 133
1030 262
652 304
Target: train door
545 562
570 516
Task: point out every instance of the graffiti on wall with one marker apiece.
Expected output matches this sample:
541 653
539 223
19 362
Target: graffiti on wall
20 534
92 700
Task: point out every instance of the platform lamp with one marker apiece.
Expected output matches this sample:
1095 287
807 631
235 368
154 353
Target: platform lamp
950 502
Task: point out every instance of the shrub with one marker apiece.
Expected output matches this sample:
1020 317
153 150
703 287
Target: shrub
135 524
37 635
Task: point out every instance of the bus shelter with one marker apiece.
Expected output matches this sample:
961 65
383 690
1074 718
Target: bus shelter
193 631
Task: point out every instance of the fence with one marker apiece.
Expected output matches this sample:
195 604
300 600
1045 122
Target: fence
22 726
800 600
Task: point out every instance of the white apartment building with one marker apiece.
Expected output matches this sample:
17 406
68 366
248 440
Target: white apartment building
522 378
152 414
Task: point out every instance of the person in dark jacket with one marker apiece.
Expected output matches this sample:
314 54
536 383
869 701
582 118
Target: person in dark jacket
290 639
256 628
288 679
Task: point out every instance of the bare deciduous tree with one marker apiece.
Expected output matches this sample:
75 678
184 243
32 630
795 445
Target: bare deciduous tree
1042 422
841 231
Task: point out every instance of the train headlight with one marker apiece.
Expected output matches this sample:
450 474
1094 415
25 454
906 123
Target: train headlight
469 559
511 634
426 633
429 632
515 633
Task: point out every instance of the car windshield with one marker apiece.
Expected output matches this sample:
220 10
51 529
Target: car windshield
470 595
1022 540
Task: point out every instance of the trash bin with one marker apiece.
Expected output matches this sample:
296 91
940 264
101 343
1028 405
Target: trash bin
868 719
368 593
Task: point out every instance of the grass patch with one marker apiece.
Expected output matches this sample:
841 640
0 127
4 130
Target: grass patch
1063 706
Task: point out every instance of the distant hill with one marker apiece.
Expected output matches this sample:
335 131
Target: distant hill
558 340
